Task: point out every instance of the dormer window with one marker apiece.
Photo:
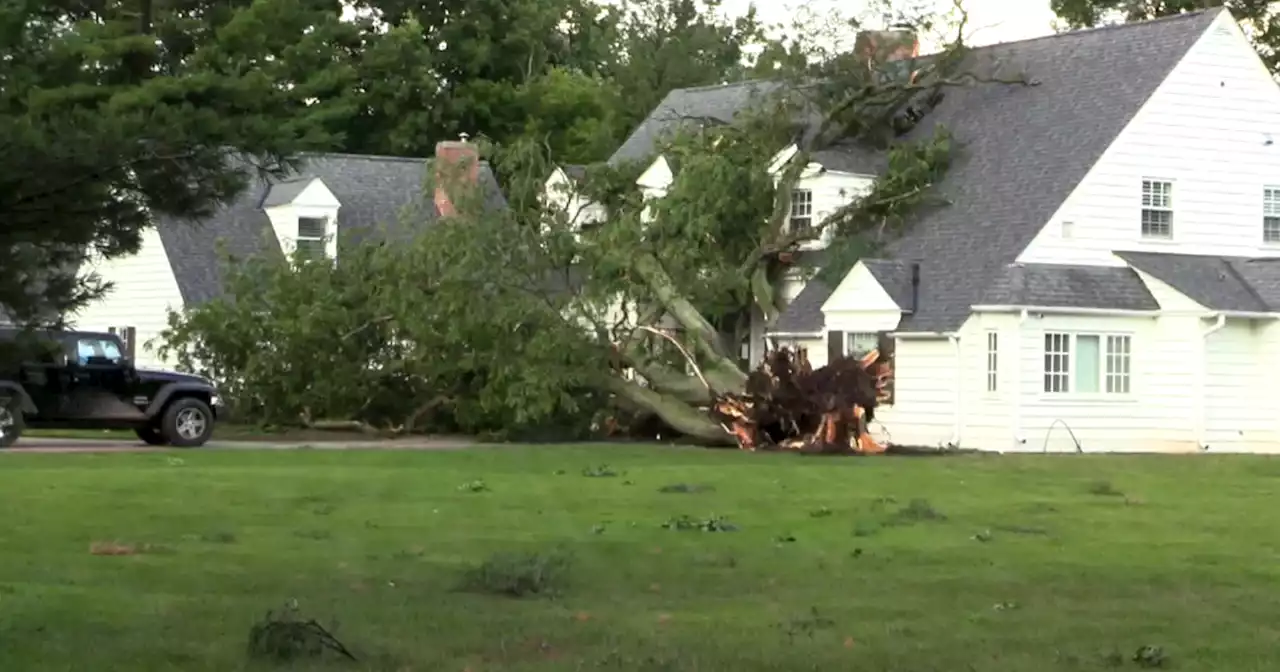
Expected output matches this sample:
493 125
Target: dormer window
310 242
801 219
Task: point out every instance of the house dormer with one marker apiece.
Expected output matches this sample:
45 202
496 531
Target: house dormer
304 216
831 179
562 192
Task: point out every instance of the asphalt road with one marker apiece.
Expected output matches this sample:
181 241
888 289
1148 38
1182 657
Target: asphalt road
39 445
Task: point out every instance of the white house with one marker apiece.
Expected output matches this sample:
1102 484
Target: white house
1107 274
332 201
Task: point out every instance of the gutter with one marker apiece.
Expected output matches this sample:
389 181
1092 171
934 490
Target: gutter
1202 375
793 334
1018 438
1057 310
959 400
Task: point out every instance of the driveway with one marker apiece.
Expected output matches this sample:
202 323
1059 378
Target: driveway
41 445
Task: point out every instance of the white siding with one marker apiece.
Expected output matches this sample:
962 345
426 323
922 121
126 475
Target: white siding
923 413
143 293
831 191
1237 413
1213 129
1158 415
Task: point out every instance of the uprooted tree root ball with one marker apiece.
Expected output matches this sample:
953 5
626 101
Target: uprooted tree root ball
789 405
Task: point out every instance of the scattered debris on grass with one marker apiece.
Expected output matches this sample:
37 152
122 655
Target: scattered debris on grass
807 625
474 486
982 536
1150 657
787 538
1019 529
314 535
324 509
523 574
711 524
602 471
598 528
284 637
1004 606
685 488
1104 489
120 548
916 511
218 538
820 512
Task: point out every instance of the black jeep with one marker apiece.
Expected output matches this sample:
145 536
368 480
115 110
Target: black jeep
83 380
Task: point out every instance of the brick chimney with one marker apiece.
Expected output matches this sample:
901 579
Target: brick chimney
457 163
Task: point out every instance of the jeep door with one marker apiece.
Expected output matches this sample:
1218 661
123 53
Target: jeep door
101 380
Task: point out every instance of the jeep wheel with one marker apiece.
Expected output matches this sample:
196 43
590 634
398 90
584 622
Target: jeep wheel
151 436
10 422
187 423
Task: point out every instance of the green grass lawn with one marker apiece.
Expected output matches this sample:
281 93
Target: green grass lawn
1005 564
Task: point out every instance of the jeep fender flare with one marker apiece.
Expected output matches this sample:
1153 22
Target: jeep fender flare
169 391
24 399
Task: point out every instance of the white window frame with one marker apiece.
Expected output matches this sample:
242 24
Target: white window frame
801 215
1157 200
852 338
993 361
1271 215
1114 364
322 240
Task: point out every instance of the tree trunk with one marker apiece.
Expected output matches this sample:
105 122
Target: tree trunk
680 416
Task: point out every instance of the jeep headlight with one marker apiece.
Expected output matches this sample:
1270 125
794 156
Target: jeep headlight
215 400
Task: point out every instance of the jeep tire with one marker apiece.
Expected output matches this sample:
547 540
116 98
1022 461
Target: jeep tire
187 422
11 422
151 435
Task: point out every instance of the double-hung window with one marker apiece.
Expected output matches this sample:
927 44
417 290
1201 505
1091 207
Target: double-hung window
1271 215
858 343
310 241
1157 209
801 219
1080 363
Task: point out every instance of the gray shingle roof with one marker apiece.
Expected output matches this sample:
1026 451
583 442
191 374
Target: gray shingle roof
375 191
1217 283
895 278
719 103
1021 149
804 314
1063 286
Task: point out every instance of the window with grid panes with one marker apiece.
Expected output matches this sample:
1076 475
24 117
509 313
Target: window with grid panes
310 241
858 344
1087 363
1157 209
801 209
1271 215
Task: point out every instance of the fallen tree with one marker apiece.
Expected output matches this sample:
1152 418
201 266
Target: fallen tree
788 405
520 318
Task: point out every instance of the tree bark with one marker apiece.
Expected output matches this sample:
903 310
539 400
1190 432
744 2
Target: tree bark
719 369
680 416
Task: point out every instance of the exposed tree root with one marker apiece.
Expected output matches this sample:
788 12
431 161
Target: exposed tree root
788 405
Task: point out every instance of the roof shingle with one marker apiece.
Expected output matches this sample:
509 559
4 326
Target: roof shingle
1021 150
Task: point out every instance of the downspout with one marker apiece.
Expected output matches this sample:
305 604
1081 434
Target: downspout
1202 374
1018 439
959 401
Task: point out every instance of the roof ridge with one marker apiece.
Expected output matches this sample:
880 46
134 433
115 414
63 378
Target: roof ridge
1185 16
367 157
724 85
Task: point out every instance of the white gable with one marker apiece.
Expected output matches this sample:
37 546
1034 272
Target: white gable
291 221
657 177
860 304
1212 131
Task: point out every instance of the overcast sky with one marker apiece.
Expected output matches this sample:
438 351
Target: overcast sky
990 21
